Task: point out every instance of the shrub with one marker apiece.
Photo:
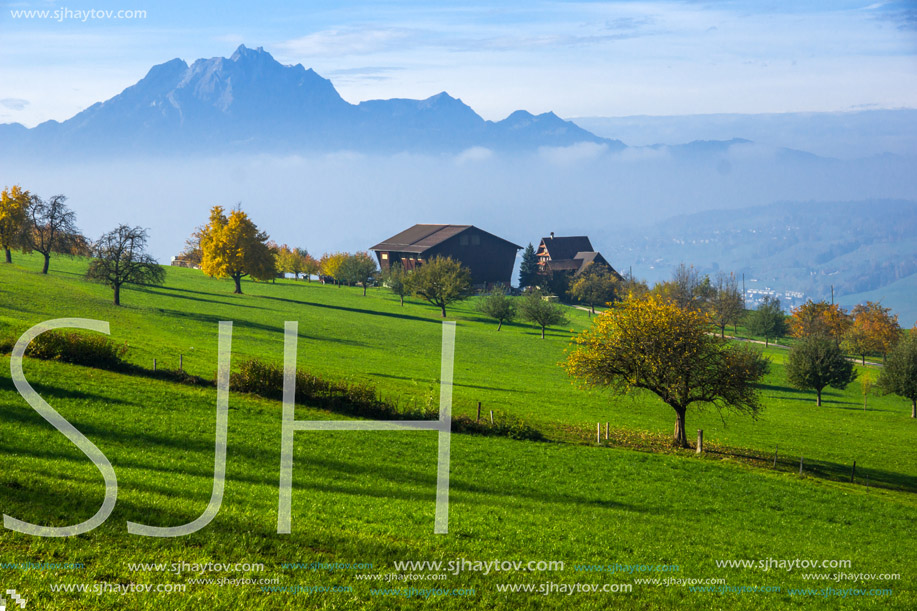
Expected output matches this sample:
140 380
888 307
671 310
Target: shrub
87 350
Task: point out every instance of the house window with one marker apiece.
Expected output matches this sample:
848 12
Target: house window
385 256
475 240
463 240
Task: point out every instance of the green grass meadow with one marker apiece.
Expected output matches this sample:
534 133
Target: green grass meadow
368 497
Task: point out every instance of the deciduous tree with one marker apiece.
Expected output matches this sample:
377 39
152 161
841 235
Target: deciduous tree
52 229
536 309
358 268
120 257
233 247
497 305
597 284
395 279
651 344
874 329
441 281
330 264
726 304
819 319
899 375
768 320
816 362
14 220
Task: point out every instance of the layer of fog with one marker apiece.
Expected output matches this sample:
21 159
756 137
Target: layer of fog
350 201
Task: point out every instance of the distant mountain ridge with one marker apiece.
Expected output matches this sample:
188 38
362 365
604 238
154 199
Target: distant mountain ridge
249 102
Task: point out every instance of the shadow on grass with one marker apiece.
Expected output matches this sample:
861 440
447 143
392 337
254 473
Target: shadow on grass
169 292
354 310
823 469
454 383
246 324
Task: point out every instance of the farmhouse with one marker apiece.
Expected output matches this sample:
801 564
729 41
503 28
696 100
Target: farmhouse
568 255
490 258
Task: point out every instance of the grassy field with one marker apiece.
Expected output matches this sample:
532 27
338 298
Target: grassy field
369 497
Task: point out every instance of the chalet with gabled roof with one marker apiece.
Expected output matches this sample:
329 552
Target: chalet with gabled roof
569 255
490 258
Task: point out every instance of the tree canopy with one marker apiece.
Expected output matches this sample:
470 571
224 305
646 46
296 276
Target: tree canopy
817 362
233 247
120 257
358 268
441 281
528 268
535 309
52 229
767 320
873 330
650 343
726 303
899 376
819 319
14 220
497 305
596 285
394 279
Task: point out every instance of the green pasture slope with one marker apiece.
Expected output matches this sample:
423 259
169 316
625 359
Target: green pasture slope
368 498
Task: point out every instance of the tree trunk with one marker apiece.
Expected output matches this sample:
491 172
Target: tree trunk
443 307
9 255
542 332
238 280
913 408
818 397
44 269
593 309
765 341
680 439
500 326
402 300
723 332
364 289
117 294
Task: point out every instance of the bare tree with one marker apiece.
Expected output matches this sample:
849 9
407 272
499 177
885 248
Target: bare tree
726 304
53 228
120 258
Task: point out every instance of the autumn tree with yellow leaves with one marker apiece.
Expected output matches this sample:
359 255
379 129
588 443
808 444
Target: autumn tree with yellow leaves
651 344
14 217
820 319
233 247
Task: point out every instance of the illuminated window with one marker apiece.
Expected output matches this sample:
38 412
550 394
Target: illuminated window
385 256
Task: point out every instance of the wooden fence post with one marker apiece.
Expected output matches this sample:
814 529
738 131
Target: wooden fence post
606 431
598 433
700 441
491 416
479 412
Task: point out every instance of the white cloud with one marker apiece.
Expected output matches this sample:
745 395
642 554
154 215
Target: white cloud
14 103
574 154
474 154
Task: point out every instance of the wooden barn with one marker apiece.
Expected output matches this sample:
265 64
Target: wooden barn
568 255
490 258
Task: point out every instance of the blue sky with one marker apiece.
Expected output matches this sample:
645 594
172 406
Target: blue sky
575 58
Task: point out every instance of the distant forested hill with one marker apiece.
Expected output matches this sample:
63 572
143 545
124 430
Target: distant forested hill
865 249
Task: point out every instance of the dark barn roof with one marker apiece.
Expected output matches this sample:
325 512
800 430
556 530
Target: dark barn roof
421 238
567 247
